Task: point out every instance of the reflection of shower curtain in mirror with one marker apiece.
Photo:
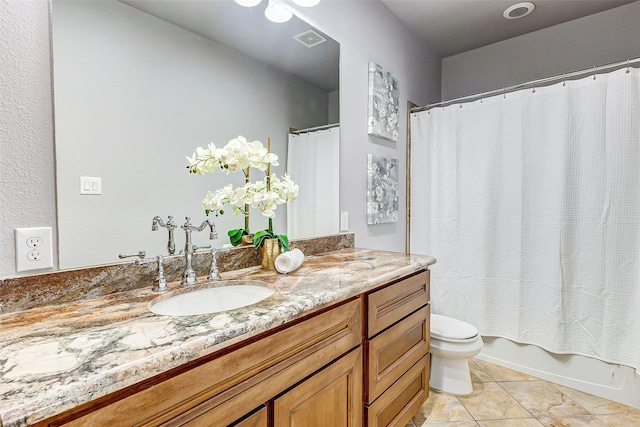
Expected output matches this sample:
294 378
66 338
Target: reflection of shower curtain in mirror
313 163
531 204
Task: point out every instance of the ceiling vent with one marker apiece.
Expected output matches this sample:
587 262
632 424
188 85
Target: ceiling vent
310 38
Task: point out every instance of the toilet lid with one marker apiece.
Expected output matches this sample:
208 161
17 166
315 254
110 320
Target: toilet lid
449 329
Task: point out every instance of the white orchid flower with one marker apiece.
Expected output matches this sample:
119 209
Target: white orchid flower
240 154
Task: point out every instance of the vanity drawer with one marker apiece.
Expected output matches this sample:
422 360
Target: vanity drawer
391 353
390 304
399 403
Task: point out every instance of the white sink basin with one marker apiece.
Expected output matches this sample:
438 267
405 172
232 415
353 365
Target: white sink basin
217 297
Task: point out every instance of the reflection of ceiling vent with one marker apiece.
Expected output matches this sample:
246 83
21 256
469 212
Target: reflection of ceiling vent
310 38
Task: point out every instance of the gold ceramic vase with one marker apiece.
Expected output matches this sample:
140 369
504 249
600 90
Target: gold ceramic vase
269 250
247 240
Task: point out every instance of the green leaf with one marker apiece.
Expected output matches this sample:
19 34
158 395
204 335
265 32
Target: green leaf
284 242
235 236
259 237
257 241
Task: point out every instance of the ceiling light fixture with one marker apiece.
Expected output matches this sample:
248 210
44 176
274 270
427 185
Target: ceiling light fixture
248 3
519 10
277 13
306 3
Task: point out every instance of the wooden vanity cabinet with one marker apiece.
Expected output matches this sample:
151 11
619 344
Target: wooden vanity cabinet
326 369
222 390
396 380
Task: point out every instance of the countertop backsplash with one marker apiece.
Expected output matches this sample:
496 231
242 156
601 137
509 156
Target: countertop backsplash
58 287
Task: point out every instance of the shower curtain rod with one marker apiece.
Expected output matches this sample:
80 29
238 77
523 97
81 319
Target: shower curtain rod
534 84
323 127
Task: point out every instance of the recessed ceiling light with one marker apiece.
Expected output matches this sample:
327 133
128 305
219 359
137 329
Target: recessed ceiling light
277 13
248 3
306 3
519 10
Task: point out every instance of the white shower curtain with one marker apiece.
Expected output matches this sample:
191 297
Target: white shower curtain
530 202
313 163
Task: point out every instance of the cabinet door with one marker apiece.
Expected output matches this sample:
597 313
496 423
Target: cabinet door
331 397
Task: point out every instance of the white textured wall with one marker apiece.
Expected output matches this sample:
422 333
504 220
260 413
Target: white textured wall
603 38
366 30
27 181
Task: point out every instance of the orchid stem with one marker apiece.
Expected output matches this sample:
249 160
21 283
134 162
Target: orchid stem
246 206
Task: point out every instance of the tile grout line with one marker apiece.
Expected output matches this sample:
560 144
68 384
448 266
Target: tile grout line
506 391
517 401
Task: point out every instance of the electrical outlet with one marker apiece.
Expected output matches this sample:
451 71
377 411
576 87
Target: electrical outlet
33 248
34 255
34 242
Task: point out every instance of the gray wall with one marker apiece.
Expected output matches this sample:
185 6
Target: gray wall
366 30
599 39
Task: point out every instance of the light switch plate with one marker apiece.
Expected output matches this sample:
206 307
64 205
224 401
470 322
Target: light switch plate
344 221
90 185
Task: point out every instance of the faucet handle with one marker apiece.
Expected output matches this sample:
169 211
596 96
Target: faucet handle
214 273
160 284
196 247
141 254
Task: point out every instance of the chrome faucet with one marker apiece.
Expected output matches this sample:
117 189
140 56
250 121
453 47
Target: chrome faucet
160 284
189 276
170 225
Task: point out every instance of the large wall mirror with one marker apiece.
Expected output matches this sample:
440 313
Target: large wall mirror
140 84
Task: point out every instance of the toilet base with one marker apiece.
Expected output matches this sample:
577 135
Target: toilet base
450 375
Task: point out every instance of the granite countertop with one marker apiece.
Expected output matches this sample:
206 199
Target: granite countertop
55 358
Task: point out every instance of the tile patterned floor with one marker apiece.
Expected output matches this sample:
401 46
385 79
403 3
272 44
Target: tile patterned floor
505 398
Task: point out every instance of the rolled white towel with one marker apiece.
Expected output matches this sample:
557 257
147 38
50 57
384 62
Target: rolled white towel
289 261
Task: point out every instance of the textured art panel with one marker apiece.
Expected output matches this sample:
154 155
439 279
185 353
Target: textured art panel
382 190
383 103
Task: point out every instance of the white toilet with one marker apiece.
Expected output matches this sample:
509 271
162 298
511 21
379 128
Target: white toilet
453 342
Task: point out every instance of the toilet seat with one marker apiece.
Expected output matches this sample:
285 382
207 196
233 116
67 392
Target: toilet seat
445 328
